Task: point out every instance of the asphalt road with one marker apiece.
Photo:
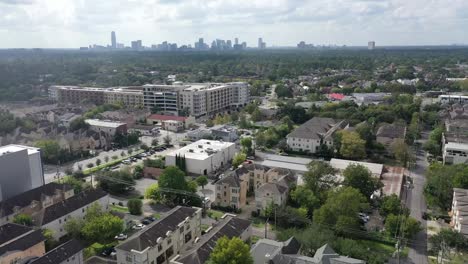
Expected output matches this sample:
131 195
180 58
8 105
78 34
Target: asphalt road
417 205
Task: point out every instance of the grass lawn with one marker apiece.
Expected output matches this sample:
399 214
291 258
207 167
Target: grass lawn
215 214
118 208
379 247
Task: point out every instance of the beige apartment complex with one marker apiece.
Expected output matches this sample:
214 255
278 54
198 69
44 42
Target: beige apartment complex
198 99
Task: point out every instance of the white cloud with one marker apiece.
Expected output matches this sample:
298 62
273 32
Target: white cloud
73 23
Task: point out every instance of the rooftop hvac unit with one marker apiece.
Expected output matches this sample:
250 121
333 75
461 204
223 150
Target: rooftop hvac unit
190 150
200 146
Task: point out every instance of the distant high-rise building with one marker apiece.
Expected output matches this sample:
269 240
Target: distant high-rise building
371 45
236 41
113 40
229 44
137 44
261 43
244 45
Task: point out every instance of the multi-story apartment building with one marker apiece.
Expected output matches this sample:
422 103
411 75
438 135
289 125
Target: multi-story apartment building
312 134
128 96
270 185
163 239
199 99
459 211
21 170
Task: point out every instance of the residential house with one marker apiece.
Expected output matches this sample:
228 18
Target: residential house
70 252
163 239
273 252
66 119
108 127
55 217
231 191
387 134
34 201
459 211
20 243
312 134
199 251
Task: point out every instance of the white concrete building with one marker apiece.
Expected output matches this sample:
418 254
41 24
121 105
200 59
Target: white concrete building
454 148
108 127
55 217
340 165
453 98
20 170
204 156
163 239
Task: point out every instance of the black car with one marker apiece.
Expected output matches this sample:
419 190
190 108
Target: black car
150 218
145 221
108 251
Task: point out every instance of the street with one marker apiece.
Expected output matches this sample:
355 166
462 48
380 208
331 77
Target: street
417 205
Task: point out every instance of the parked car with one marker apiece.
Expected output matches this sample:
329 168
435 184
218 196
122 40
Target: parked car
121 237
145 221
138 226
150 218
109 252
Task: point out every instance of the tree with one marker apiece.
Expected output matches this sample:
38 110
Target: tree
114 157
391 205
116 181
230 251
238 159
138 172
167 140
23 219
256 115
320 177
78 123
153 192
304 197
448 237
50 242
352 146
359 177
122 154
73 227
106 159
402 224
173 178
77 184
50 150
246 144
202 181
134 206
341 209
90 165
144 147
154 142
402 152
98 162
130 151
102 229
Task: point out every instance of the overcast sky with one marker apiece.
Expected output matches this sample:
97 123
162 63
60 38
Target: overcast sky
74 23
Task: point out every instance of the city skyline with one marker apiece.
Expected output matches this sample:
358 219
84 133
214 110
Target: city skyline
31 23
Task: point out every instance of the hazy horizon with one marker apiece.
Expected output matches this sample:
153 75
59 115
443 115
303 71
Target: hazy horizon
71 24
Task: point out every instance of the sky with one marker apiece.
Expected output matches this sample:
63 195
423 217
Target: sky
75 23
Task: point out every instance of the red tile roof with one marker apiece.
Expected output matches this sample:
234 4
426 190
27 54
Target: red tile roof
167 117
336 96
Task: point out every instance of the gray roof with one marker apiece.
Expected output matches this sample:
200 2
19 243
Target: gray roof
231 180
60 253
317 128
200 252
14 237
391 131
273 187
159 228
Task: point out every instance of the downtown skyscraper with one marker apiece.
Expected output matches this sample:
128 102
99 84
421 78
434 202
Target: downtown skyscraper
113 40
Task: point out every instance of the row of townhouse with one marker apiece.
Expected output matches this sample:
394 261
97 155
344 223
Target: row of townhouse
176 238
270 185
22 244
52 205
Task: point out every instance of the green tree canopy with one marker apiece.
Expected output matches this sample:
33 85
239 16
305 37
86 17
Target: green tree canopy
135 206
359 177
341 209
202 181
23 219
320 177
238 159
352 146
173 178
230 251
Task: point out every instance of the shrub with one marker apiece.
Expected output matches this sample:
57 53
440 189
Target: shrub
134 206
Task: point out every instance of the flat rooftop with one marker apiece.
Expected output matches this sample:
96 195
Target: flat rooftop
104 123
16 148
341 164
201 149
456 146
285 162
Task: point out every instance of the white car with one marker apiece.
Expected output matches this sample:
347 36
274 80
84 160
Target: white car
121 237
138 226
